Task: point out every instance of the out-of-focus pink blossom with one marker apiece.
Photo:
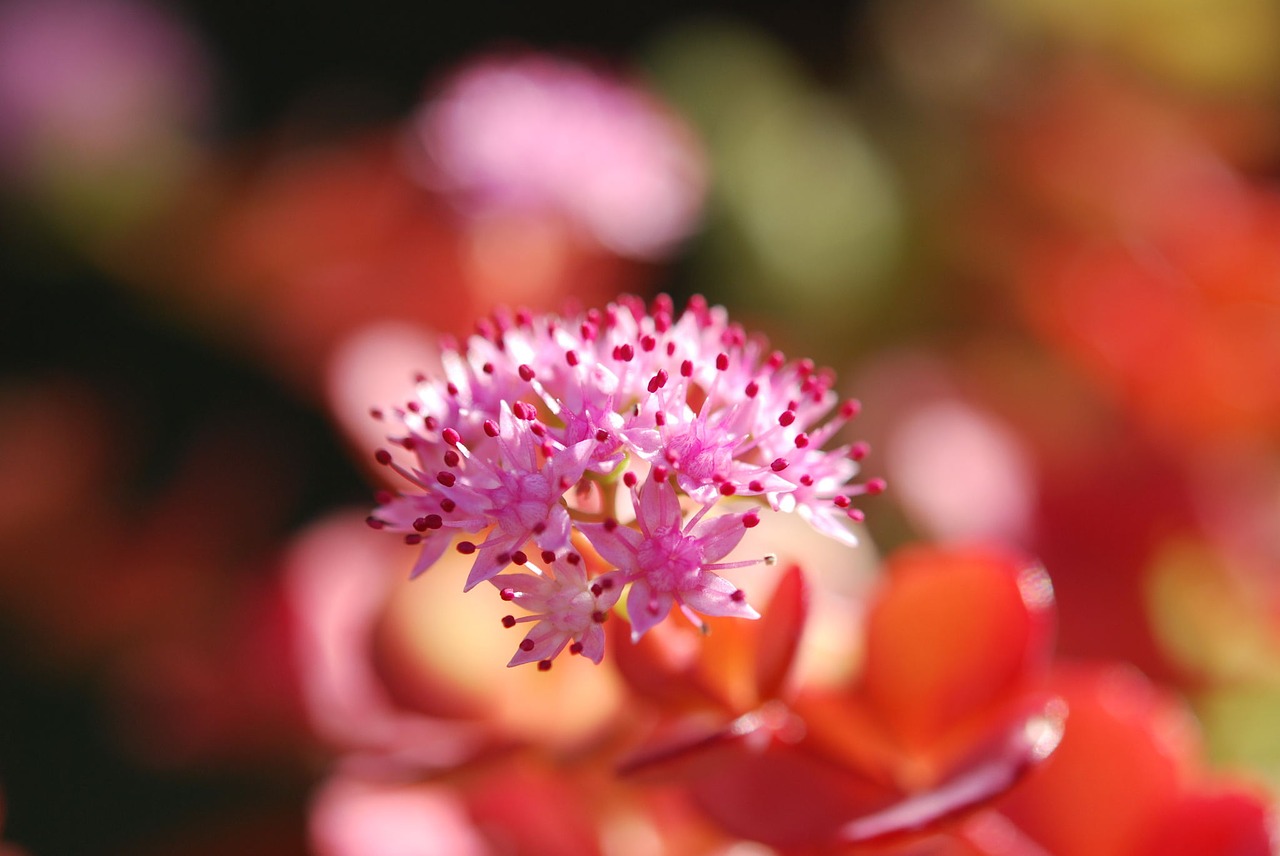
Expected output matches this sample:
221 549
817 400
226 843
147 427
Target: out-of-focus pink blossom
85 83
545 134
351 817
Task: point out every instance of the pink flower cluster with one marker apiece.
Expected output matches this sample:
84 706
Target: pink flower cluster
625 430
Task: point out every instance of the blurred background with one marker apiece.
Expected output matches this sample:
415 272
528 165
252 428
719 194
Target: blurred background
1039 240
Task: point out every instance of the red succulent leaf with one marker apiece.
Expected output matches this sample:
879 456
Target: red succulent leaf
780 628
1012 754
952 633
1122 760
1224 822
782 795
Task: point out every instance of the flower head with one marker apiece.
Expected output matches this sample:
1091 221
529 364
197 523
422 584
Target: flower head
525 442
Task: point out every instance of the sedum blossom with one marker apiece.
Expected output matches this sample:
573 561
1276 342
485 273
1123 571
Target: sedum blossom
530 452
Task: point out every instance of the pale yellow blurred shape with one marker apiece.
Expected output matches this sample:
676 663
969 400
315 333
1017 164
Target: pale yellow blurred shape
1240 728
1214 44
812 201
1206 620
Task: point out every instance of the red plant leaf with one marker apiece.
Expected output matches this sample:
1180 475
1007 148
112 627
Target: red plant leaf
781 627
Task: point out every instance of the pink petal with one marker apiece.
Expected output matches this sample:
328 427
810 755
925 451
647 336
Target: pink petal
713 595
717 536
617 547
638 603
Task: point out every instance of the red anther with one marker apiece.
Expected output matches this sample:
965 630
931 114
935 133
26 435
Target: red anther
537 429
446 479
629 479
738 596
722 362
661 473
842 501
548 556
658 381
752 389
648 343
572 558
374 523
624 353
787 417
508 621
875 486
451 436
433 521
659 419
856 515
526 644
755 486
727 489
597 589
671 349
686 368
447 505
851 408
539 528
543 665
413 407
599 616
382 497
610 524
413 538
576 648
778 465
451 388
487 368
419 377
451 458
802 440
859 450
806 480
806 367
466 548
420 524
382 456
751 520
526 373
776 359
430 423
519 557
601 435
490 428
375 413
507 593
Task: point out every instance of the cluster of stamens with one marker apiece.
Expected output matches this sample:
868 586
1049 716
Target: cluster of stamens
620 430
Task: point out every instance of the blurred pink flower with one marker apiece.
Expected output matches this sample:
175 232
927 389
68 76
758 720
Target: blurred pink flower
542 133
350 817
89 82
